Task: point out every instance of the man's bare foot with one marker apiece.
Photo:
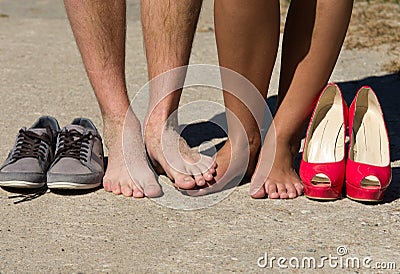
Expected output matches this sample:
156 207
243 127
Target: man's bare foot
128 172
280 180
117 178
170 154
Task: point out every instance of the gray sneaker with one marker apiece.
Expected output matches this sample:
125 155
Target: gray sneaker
31 156
79 157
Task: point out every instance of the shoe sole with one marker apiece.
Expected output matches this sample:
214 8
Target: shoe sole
364 200
70 185
21 184
322 193
321 198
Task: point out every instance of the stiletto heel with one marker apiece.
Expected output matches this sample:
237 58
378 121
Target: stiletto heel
368 172
322 167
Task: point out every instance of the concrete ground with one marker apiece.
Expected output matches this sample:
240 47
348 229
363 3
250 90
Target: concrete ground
41 73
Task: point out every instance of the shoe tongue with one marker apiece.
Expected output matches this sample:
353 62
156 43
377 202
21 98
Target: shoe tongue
38 131
78 128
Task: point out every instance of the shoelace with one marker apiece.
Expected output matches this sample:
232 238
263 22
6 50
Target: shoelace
73 144
31 144
30 195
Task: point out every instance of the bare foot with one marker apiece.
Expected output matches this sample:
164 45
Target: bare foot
231 167
128 172
224 159
280 181
170 154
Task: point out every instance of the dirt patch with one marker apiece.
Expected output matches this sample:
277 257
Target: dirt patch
393 66
374 23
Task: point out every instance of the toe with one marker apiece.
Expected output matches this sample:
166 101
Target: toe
299 188
259 194
208 172
257 188
200 181
291 191
259 184
153 191
212 168
181 180
208 165
272 190
208 176
126 190
151 188
147 183
116 188
184 181
198 176
107 185
137 193
282 191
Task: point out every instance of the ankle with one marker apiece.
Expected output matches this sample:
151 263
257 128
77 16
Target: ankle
155 124
289 145
114 127
162 113
113 121
252 143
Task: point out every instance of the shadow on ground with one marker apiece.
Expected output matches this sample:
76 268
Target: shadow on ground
25 194
387 88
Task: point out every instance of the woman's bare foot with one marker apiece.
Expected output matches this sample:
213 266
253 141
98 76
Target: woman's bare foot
276 177
224 160
170 154
231 167
311 46
128 172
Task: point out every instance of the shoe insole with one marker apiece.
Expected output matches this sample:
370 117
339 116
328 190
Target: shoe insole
371 144
327 141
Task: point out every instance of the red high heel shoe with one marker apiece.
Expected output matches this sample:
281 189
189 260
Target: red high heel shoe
322 167
368 171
